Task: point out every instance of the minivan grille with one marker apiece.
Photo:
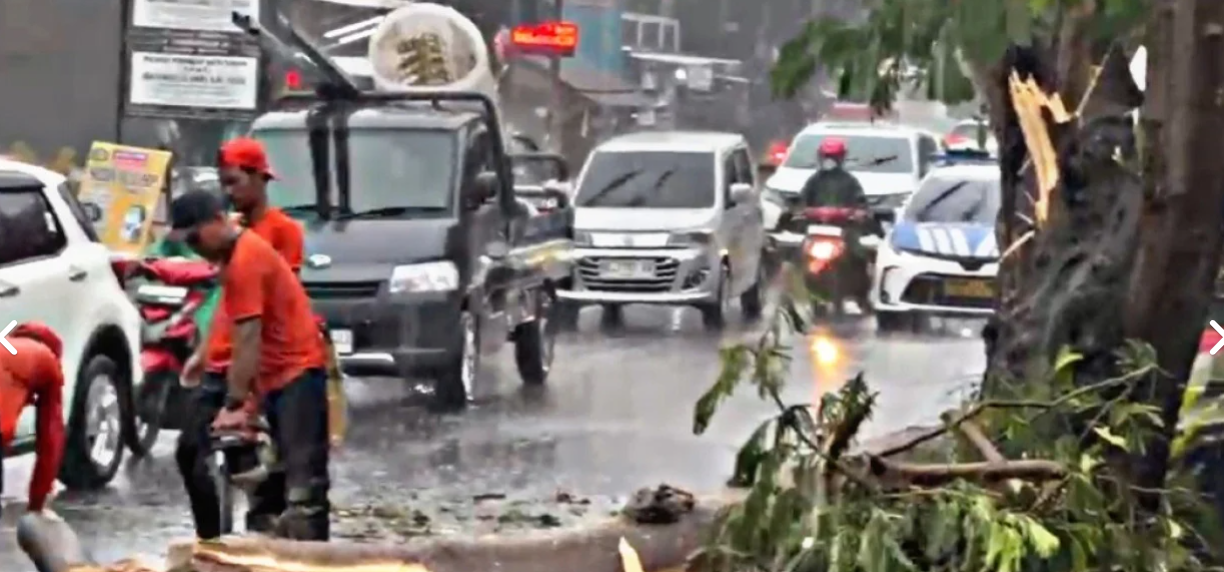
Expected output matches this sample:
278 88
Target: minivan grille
662 280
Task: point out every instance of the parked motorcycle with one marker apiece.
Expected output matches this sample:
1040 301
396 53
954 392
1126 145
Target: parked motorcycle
835 264
168 292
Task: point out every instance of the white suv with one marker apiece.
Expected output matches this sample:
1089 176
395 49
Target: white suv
54 270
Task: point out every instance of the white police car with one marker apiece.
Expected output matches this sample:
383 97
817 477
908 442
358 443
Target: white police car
941 257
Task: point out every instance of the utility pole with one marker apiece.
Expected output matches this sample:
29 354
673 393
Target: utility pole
556 114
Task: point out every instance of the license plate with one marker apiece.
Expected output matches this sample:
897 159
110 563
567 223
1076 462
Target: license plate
627 269
342 340
824 230
969 289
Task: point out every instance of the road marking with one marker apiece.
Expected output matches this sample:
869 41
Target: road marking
13 350
1214 326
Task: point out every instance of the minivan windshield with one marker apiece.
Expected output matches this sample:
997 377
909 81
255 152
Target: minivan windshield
407 169
648 179
955 200
864 153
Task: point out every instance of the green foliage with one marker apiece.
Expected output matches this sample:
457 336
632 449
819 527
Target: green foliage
909 44
813 504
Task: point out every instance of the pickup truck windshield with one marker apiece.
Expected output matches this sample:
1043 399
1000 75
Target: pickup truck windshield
653 180
393 170
864 153
945 199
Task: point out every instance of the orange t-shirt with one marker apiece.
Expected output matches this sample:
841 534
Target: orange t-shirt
258 283
286 236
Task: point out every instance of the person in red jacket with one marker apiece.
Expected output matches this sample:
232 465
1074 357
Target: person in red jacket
33 377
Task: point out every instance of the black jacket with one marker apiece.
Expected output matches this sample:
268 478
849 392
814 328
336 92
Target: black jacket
833 188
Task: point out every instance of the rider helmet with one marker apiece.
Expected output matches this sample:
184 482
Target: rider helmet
831 153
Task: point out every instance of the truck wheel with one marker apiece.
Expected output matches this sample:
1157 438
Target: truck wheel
714 314
565 316
94 447
534 344
752 302
456 382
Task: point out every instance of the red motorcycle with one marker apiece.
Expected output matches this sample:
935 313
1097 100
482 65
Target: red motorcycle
832 273
168 292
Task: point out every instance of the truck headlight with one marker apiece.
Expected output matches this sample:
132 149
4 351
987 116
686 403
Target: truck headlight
441 276
689 239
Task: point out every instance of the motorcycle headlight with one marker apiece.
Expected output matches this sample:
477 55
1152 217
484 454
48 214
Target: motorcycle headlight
689 239
441 276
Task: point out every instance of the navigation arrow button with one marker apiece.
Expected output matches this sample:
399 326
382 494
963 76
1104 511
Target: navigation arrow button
3 334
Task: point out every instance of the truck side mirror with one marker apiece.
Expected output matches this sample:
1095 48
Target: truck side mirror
484 187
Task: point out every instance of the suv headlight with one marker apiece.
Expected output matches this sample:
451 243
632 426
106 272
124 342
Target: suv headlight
774 196
701 238
441 276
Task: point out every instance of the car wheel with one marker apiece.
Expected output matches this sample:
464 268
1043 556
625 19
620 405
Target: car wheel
94 448
456 384
752 302
714 315
151 402
535 343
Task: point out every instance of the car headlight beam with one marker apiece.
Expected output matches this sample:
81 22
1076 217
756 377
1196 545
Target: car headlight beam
440 276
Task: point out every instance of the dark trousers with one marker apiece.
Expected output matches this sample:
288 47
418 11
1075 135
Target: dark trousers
292 502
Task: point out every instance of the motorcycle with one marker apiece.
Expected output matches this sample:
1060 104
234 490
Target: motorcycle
168 292
832 273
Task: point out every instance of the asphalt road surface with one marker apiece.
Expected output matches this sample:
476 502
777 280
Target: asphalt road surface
615 416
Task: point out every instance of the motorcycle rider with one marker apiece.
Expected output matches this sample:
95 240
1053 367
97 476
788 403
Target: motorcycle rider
33 376
244 173
833 186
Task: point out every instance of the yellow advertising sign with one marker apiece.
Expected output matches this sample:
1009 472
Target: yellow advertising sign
120 192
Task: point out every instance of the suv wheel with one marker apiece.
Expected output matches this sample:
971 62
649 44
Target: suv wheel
714 314
94 446
456 383
534 343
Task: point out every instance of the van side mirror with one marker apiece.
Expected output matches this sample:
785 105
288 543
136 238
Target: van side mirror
484 187
740 193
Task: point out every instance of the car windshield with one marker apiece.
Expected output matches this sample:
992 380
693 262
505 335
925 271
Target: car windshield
945 199
864 153
655 180
402 170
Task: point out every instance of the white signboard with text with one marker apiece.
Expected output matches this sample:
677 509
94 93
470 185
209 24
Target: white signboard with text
199 15
177 80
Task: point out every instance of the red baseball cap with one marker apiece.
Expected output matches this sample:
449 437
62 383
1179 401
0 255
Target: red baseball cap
245 153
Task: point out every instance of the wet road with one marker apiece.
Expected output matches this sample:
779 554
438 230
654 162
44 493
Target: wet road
615 416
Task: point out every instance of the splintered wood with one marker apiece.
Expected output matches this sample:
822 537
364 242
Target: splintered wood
1029 100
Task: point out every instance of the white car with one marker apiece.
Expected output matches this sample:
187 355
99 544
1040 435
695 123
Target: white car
54 270
941 256
888 160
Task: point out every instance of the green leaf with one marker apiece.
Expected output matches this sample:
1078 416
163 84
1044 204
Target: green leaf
750 456
1110 437
1065 360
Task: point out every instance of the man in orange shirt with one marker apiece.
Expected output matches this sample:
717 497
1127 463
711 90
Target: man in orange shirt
33 377
278 357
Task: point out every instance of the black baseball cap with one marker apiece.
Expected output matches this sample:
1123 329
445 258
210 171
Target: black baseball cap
193 208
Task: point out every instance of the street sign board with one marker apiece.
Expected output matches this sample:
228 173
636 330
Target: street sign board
555 38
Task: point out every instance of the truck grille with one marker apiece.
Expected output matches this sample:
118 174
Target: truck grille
664 276
341 290
929 289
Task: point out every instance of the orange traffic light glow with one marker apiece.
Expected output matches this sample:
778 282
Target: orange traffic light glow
547 38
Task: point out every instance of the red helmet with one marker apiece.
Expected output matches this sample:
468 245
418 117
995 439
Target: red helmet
833 147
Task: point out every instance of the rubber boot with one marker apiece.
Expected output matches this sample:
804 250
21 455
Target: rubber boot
308 516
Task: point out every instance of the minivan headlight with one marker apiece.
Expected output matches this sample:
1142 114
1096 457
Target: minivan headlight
441 276
700 238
